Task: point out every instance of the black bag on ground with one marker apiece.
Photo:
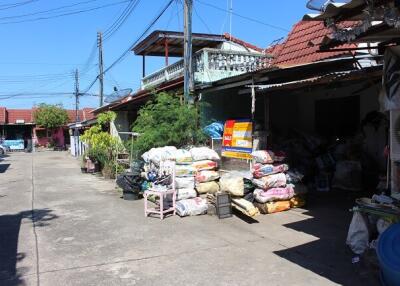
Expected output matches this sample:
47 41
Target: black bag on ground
129 182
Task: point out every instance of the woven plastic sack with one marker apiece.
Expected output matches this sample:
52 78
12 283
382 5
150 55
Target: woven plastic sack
263 156
183 157
183 194
207 188
206 176
260 170
274 194
273 207
191 207
204 165
184 182
232 184
271 181
184 171
203 153
156 155
297 202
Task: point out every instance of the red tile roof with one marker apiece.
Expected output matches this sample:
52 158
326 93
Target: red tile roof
84 114
14 115
3 116
302 44
10 116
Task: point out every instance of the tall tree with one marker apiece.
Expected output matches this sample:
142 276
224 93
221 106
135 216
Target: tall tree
50 116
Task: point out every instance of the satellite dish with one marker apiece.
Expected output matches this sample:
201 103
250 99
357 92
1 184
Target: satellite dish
117 95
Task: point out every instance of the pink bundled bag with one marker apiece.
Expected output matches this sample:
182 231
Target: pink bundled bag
263 156
274 194
260 170
271 181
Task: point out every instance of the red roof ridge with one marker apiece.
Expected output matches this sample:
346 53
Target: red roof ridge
243 43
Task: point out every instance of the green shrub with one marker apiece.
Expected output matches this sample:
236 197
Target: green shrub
165 121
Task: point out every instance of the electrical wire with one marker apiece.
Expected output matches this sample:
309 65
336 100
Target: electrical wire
66 14
46 11
123 55
14 5
121 20
243 17
202 20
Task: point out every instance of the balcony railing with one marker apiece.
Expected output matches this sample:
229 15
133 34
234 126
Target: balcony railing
210 65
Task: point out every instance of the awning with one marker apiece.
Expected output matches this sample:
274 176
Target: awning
158 41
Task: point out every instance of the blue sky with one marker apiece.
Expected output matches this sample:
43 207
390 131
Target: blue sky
38 57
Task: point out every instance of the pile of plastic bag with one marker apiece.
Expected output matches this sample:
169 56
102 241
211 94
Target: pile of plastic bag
276 186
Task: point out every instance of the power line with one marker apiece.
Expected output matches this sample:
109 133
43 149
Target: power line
120 20
47 11
123 55
243 17
201 19
9 6
66 14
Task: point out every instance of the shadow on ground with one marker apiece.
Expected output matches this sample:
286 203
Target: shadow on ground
4 167
9 234
328 256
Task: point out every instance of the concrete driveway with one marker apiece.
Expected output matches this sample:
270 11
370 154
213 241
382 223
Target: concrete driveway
61 227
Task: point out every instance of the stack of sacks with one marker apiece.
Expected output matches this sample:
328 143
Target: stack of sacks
184 175
236 186
273 191
300 190
205 164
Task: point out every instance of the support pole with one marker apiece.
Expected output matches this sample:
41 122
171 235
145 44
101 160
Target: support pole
143 66
166 51
188 85
101 73
76 132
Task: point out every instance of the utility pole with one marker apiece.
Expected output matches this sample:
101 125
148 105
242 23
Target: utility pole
188 84
77 96
77 119
101 75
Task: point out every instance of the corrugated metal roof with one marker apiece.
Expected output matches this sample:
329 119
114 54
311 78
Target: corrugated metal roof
332 10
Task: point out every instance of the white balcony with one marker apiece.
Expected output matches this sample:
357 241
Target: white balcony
210 65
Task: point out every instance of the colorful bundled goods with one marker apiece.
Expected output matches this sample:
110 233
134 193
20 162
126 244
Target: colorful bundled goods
185 171
207 187
274 194
263 156
204 165
271 181
206 176
260 170
203 153
232 184
184 182
183 194
278 189
297 201
245 207
191 207
182 156
273 207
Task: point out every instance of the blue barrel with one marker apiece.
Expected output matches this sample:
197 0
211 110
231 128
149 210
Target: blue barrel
389 255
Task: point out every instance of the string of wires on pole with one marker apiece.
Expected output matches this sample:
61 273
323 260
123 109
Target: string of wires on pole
126 52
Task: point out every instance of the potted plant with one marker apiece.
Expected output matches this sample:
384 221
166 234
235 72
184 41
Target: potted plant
83 164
